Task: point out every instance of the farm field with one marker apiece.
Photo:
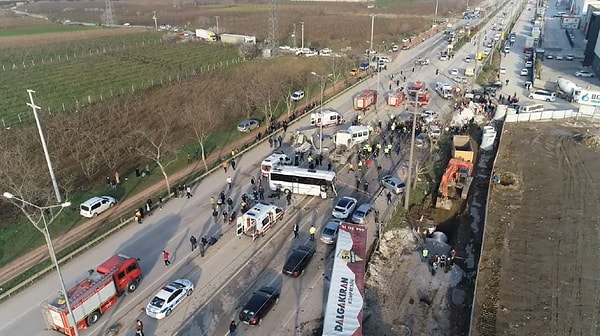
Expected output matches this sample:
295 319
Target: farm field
538 273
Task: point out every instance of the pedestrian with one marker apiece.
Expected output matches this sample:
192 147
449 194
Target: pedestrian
189 158
160 203
295 230
507 82
148 208
261 193
366 186
232 153
194 242
271 141
229 181
252 181
188 192
213 202
137 172
357 183
329 166
285 126
225 216
280 140
288 197
139 328
389 198
232 328
230 203
204 241
233 164
138 216
225 165
312 232
215 214
166 256
350 167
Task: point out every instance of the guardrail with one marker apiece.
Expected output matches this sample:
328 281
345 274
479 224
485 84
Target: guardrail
7 294
547 115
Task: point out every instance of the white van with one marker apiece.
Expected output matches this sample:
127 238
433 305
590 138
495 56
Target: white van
354 135
273 161
543 95
96 205
328 117
532 108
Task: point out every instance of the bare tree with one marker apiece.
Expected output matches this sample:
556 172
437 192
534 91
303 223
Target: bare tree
201 118
155 141
337 68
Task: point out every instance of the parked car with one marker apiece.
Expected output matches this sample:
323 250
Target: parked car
422 140
393 184
468 59
524 72
169 297
454 72
96 205
559 57
502 70
247 125
298 95
569 57
549 56
354 72
344 207
259 305
395 48
330 231
529 64
298 260
584 73
543 95
362 213
429 116
443 57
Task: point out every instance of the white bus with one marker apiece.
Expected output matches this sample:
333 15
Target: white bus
302 181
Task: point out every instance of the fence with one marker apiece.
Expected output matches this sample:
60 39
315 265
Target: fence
550 115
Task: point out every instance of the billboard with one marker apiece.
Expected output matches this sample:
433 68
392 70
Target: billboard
343 313
587 97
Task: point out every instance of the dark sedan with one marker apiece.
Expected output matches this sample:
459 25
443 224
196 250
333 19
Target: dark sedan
259 305
298 260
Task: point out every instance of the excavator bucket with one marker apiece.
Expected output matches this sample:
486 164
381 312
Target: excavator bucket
443 203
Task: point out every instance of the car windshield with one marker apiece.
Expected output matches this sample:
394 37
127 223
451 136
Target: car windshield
157 302
177 285
247 314
328 231
359 214
343 203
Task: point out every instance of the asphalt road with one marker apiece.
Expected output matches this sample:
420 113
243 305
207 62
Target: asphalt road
234 267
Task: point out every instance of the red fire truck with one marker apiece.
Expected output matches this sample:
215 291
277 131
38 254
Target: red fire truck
365 99
92 295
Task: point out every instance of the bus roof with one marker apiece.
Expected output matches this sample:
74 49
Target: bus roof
288 170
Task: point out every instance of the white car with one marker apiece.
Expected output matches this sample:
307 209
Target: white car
443 58
169 297
405 40
524 72
454 72
395 48
248 125
502 70
430 116
529 64
543 95
468 59
584 73
559 57
298 95
344 207
96 205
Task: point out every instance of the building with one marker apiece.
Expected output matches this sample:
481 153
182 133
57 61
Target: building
591 54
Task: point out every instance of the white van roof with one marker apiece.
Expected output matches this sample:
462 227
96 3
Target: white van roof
357 128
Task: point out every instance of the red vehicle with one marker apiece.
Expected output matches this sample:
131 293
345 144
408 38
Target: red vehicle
396 98
422 98
94 294
415 87
365 99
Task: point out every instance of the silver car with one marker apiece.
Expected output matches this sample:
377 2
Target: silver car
330 231
247 125
344 207
393 184
362 213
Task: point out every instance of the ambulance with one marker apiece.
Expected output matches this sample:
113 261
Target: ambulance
327 117
258 220
273 161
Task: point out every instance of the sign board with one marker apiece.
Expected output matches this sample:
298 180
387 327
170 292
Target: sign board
343 313
589 98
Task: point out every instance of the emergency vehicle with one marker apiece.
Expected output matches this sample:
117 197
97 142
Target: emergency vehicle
273 161
365 99
327 117
444 90
258 220
396 98
95 293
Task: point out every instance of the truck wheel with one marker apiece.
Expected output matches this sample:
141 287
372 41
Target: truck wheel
132 286
93 317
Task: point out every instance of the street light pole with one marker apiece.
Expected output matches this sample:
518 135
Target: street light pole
372 29
302 29
412 152
51 250
436 12
322 78
217 18
44 146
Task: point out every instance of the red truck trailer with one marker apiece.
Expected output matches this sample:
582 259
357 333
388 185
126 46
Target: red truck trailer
93 294
396 98
365 99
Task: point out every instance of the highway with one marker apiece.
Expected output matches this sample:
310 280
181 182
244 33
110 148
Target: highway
233 267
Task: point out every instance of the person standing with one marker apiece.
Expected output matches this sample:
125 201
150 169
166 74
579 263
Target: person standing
230 203
261 193
194 242
139 328
160 203
229 181
288 197
389 197
233 164
166 257
225 166
295 230
188 192
252 181
312 232
232 328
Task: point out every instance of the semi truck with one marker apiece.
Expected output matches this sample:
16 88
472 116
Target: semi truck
365 99
206 35
93 294
237 39
258 220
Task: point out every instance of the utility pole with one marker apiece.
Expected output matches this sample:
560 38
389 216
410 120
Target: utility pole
155 20
217 18
437 2
412 153
294 36
44 146
372 29
302 23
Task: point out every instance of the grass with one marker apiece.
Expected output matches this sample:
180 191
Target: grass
41 30
110 70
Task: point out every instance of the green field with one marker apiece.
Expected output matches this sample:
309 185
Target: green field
41 30
96 69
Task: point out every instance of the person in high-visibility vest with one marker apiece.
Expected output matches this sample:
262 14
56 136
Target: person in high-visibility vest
312 232
386 151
